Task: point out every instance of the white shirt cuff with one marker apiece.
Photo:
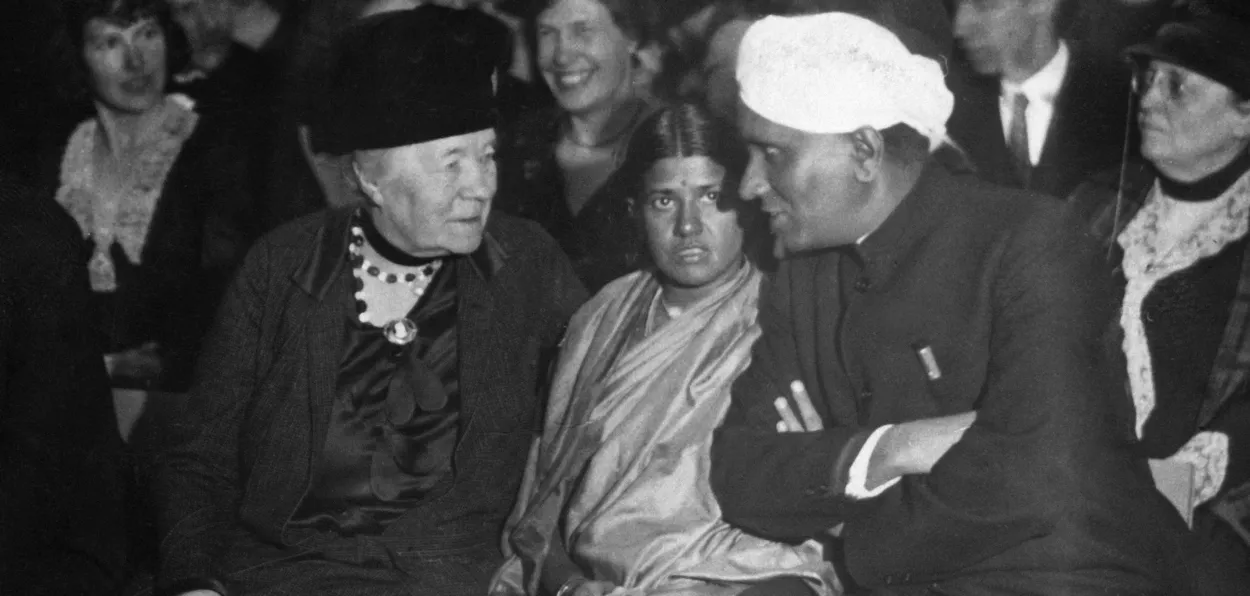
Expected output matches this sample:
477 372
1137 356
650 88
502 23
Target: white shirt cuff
858 476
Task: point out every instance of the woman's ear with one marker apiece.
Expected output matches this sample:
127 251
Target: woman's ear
368 187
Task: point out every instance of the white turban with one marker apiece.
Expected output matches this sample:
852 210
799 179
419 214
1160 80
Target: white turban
836 73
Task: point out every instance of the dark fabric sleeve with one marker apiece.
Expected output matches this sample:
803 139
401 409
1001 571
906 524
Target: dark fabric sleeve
230 203
565 294
782 486
196 484
1050 433
62 472
214 172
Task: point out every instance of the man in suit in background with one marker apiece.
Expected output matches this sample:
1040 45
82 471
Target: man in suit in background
1039 113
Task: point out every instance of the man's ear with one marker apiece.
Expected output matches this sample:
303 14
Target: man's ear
868 149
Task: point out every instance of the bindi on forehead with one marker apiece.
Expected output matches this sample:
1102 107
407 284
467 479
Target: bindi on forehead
699 172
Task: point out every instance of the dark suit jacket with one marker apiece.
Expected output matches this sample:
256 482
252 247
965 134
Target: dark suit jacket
1087 131
244 453
1041 495
62 478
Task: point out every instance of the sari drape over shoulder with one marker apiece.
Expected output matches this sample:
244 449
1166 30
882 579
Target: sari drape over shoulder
620 475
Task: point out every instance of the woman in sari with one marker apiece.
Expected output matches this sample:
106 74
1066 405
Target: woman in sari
616 497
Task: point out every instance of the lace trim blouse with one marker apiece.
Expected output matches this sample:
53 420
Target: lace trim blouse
124 214
1168 236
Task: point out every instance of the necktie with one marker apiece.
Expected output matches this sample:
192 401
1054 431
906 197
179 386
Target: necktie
1018 139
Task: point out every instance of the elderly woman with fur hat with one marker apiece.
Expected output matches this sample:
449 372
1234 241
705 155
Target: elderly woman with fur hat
366 400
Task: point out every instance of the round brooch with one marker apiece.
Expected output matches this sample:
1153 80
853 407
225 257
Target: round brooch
400 332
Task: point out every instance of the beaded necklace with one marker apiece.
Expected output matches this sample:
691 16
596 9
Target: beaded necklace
399 331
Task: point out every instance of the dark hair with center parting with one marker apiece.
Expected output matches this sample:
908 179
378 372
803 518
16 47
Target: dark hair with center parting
123 12
77 13
691 130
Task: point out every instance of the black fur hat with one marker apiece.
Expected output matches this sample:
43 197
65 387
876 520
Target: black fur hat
407 77
1213 40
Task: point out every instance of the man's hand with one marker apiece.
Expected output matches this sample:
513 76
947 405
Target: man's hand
806 421
915 447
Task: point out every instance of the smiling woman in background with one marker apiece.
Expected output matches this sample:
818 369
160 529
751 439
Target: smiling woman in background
159 196
617 493
598 58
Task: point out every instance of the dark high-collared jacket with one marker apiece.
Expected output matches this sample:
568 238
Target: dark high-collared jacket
244 454
968 297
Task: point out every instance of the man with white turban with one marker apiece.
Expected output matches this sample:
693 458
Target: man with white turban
931 349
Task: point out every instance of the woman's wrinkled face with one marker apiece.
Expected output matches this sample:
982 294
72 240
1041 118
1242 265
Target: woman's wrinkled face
1189 123
126 62
584 57
433 198
693 236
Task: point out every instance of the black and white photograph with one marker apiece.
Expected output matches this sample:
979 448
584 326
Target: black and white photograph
625 298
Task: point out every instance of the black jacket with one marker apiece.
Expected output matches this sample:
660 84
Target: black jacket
62 528
1041 495
243 454
203 223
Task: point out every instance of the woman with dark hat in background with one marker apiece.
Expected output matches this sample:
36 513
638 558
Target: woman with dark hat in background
159 194
365 402
1176 233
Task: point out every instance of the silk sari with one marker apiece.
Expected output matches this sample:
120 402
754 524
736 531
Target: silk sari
619 478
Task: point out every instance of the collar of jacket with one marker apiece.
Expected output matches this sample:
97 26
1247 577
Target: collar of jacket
327 256
918 212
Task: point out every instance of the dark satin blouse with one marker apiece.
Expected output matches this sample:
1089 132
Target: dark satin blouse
395 420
